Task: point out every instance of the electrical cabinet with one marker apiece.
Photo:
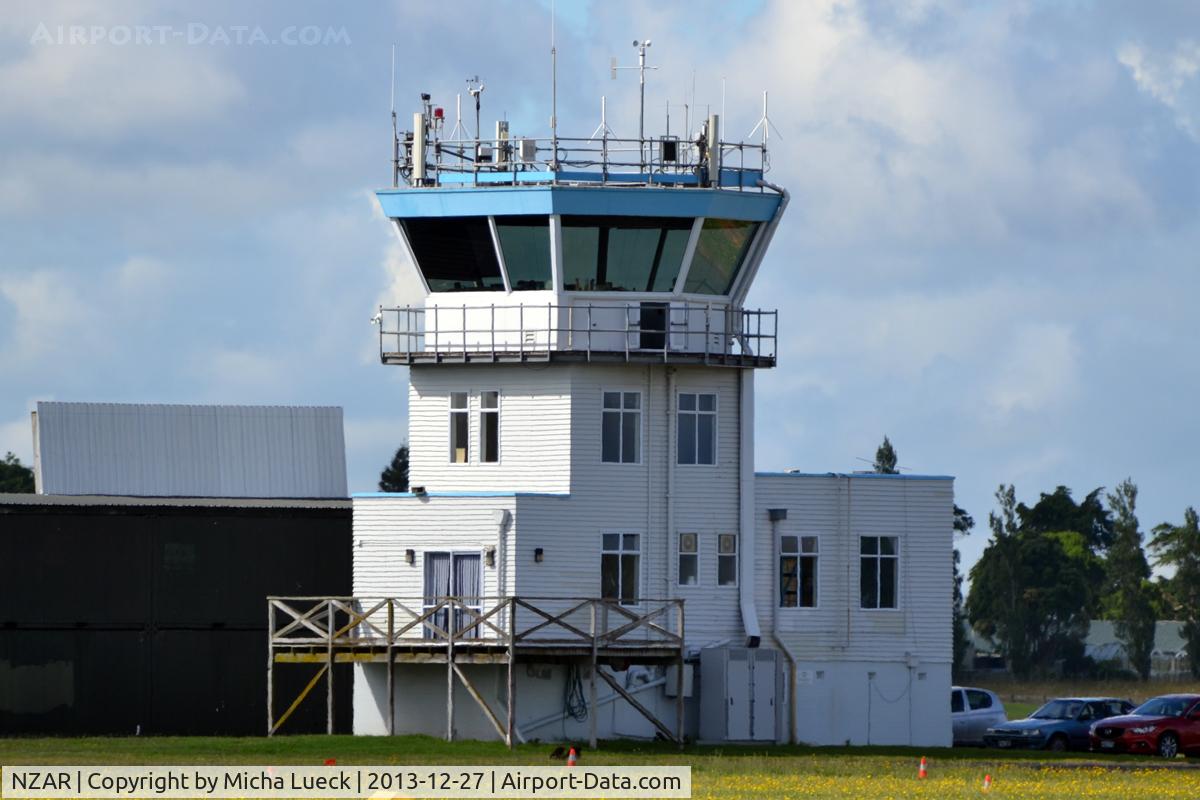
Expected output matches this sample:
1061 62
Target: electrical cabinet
738 688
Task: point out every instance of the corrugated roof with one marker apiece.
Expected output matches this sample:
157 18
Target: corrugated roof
1102 638
143 450
83 500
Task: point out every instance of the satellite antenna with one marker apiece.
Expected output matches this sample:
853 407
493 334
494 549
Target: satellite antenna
641 68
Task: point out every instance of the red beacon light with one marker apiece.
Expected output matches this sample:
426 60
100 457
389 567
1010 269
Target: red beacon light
439 113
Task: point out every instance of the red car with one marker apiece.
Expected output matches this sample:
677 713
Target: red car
1167 725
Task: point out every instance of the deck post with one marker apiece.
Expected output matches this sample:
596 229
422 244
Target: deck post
450 672
592 685
391 667
679 698
270 668
512 675
329 675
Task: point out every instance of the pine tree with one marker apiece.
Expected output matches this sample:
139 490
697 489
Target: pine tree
1129 604
885 458
1178 546
394 477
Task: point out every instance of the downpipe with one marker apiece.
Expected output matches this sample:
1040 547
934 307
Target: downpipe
746 506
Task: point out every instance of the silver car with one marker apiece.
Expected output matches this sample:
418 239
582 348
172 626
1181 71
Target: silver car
973 711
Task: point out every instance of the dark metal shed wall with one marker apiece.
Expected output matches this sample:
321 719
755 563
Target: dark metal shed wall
113 618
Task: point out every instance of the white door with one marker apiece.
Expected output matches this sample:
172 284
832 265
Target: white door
737 693
764 695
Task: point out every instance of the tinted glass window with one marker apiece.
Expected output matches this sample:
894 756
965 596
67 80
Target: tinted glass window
623 254
956 701
977 699
719 254
525 242
455 254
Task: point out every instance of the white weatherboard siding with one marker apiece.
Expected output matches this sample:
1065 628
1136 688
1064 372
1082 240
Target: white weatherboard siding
838 644
839 510
535 419
385 526
633 498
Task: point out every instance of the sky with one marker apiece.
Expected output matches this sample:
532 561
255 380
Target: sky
990 254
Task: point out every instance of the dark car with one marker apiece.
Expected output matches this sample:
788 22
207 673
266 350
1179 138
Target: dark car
1060 724
1166 725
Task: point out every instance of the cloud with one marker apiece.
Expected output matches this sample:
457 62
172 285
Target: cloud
1169 77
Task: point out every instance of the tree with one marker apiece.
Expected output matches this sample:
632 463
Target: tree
1030 591
15 477
394 477
1128 595
1178 546
1058 512
963 523
885 458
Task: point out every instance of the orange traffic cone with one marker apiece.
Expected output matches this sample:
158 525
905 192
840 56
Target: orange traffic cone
921 772
572 758
987 782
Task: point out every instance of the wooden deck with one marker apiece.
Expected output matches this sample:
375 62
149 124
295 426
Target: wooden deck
591 632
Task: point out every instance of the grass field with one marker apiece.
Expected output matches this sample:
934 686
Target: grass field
730 772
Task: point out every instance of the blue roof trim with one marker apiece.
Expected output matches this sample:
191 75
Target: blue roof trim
868 475
475 201
461 494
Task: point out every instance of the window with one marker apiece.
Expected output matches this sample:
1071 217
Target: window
878 563
720 251
455 254
621 429
727 559
489 427
689 560
620 567
460 428
525 242
978 700
697 429
798 571
623 254
956 701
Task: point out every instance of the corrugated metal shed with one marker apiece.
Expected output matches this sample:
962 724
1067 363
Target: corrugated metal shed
189 451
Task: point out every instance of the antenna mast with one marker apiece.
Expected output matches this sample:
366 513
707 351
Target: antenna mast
641 68
475 88
395 131
553 92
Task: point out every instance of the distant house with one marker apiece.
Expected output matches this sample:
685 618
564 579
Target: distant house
1169 658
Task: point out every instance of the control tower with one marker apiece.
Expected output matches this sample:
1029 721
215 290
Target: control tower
584 535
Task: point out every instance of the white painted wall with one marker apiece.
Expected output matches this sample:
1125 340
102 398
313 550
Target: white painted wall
535 428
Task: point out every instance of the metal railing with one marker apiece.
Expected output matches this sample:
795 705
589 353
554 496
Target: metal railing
636 330
601 160
370 622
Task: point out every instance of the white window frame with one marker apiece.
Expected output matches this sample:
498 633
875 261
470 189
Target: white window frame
451 411
878 557
694 553
640 551
736 555
479 413
695 421
798 554
640 411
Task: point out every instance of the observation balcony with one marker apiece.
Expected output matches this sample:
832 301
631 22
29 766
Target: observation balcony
612 332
